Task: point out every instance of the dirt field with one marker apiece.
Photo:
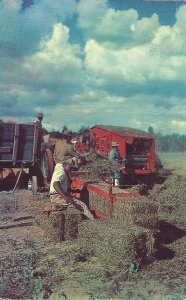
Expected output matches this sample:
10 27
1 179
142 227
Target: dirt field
32 266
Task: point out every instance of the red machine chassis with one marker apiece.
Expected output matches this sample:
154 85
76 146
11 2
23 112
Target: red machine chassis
102 189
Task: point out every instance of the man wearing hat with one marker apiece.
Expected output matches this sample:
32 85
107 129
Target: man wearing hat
64 150
38 120
114 154
60 191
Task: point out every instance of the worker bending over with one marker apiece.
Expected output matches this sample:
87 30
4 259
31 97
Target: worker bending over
60 191
64 150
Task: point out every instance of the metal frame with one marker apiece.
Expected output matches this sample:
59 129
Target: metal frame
111 198
18 163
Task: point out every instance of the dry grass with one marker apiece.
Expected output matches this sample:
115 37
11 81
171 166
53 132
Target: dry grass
102 263
115 244
171 197
139 211
98 166
99 203
61 225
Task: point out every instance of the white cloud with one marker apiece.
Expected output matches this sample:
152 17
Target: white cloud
126 71
179 125
90 13
57 67
108 25
56 50
162 58
122 63
116 25
21 31
144 29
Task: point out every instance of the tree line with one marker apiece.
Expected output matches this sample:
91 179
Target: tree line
169 142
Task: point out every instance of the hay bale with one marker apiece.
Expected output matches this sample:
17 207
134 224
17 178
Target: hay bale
61 225
99 203
133 211
72 218
139 211
115 244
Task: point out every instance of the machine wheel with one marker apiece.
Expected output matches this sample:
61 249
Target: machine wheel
47 164
34 185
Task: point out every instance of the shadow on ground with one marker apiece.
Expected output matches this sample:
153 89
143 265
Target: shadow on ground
168 233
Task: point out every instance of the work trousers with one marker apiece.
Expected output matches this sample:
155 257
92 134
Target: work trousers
81 206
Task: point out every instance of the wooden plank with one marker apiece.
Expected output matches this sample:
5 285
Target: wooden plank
15 148
20 218
5 149
14 225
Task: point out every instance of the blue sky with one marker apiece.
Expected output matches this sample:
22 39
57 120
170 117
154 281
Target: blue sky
94 62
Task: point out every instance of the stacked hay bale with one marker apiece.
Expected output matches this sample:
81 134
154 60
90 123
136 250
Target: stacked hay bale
115 244
99 203
131 210
61 225
139 211
97 166
171 197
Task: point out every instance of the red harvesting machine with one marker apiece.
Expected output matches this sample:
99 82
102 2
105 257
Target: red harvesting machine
137 147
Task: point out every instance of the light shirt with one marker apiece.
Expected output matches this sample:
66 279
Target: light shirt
38 122
114 155
60 176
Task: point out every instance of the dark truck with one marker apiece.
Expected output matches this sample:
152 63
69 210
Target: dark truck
21 147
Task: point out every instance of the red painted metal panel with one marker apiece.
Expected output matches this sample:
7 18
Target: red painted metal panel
78 183
124 131
142 172
98 214
111 198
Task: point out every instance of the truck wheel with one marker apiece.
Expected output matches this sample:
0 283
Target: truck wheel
47 164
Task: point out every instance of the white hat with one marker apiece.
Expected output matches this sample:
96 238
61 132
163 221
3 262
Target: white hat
115 144
73 141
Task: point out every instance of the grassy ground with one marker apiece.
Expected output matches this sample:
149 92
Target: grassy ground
32 266
175 161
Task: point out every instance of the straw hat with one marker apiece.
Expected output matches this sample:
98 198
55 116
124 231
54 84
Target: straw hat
39 115
115 144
